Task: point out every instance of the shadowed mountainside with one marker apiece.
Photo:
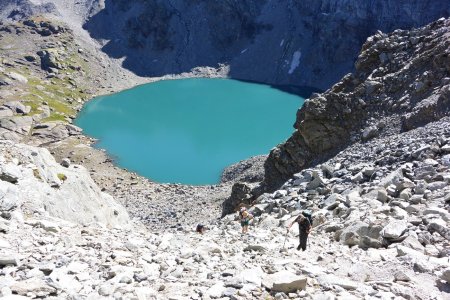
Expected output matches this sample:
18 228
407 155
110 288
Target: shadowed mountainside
307 43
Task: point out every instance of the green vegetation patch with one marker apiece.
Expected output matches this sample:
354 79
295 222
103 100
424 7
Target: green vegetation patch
62 177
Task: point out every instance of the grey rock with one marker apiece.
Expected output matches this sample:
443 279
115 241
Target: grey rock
446 275
18 107
284 281
5 112
401 276
20 125
444 214
394 229
257 248
406 194
361 234
8 259
416 199
359 177
439 226
332 201
48 226
369 171
446 159
65 162
316 182
17 77
424 172
392 178
33 285
382 195
434 186
10 173
420 187
327 280
413 243
369 133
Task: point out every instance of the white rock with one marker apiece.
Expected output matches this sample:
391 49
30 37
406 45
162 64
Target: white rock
394 229
339 281
437 211
48 226
252 276
78 199
17 77
33 285
285 281
216 290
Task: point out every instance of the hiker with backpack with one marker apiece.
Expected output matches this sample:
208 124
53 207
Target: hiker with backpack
245 218
304 221
200 228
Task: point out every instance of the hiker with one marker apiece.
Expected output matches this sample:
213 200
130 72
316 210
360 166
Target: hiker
245 217
304 226
200 228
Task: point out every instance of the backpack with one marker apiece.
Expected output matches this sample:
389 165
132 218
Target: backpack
308 215
241 211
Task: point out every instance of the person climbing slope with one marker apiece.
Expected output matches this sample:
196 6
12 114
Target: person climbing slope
245 218
304 226
200 228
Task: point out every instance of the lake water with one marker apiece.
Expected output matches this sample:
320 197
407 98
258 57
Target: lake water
187 131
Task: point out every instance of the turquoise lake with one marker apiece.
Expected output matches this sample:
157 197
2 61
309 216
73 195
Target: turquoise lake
187 131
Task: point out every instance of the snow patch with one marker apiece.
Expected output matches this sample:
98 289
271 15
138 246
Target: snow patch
295 61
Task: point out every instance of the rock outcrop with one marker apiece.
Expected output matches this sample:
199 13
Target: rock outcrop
20 9
279 43
34 184
402 81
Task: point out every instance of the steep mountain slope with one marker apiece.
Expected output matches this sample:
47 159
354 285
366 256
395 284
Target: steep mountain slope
310 43
401 82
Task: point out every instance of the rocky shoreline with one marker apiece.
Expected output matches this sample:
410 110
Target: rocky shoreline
47 123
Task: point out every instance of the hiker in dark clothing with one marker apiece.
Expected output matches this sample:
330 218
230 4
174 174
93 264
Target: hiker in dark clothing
200 228
304 226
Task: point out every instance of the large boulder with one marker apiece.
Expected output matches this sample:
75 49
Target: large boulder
284 281
46 186
394 230
446 275
240 193
20 125
17 107
361 234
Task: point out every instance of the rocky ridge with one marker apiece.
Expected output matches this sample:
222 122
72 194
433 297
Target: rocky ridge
401 82
275 42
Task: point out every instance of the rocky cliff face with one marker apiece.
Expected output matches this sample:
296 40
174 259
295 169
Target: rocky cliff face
401 82
311 43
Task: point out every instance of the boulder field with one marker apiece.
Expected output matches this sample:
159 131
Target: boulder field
381 231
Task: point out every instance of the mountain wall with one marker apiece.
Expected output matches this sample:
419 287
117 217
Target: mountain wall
401 82
309 43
